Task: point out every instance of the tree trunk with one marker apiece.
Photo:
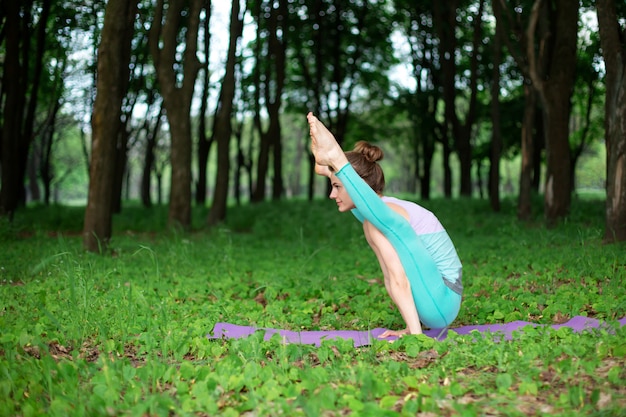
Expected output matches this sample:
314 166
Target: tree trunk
204 145
121 159
34 161
20 86
524 202
274 95
46 168
151 133
427 162
112 84
262 163
278 187
159 178
311 176
222 128
524 54
294 184
241 162
177 95
447 171
555 90
496 136
29 121
445 23
614 52
272 65
444 17
262 160
539 146
426 96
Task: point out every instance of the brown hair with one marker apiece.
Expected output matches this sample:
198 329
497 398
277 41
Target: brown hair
364 158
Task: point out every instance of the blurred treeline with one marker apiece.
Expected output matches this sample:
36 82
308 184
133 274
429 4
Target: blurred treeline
184 102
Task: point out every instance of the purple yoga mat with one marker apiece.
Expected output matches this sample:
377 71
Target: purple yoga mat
365 337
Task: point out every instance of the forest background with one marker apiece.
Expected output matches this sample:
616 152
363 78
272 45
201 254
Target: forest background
184 102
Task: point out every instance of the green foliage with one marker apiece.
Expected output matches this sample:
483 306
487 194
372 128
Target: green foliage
124 333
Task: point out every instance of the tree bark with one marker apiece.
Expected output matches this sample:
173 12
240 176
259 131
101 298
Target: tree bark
273 66
241 162
555 90
20 84
445 23
422 102
262 161
222 128
447 171
524 201
204 144
444 17
34 98
496 135
121 160
46 169
531 142
613 42
177 95
539 146
111 87
151 133
273 96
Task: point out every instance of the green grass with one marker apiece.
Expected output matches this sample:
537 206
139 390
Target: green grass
125 333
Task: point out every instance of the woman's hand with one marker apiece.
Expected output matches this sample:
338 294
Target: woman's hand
393 333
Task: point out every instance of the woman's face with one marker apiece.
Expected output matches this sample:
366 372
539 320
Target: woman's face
340 195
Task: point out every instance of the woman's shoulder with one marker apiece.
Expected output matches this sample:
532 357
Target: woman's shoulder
422 220
399 208
404 203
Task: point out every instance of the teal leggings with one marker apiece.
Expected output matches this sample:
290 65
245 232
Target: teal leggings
437 305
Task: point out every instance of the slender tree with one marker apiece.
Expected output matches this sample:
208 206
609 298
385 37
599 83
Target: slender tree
46 170
555 90
613 41
204 141
269 75
222 127
417 24
151 127
516 37
177 89
111 87
24 26
496 135
49 118
460 129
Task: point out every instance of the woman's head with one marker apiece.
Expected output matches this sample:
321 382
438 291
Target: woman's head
364 159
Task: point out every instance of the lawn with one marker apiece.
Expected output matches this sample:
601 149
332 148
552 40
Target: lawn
124 333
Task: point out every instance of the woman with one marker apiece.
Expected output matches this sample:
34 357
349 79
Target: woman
421 268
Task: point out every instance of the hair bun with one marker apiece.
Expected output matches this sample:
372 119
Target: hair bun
372 153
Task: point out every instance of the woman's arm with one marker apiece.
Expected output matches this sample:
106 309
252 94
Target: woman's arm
396 281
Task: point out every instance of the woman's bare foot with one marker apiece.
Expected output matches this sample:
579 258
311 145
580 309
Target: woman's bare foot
323 170
325 148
